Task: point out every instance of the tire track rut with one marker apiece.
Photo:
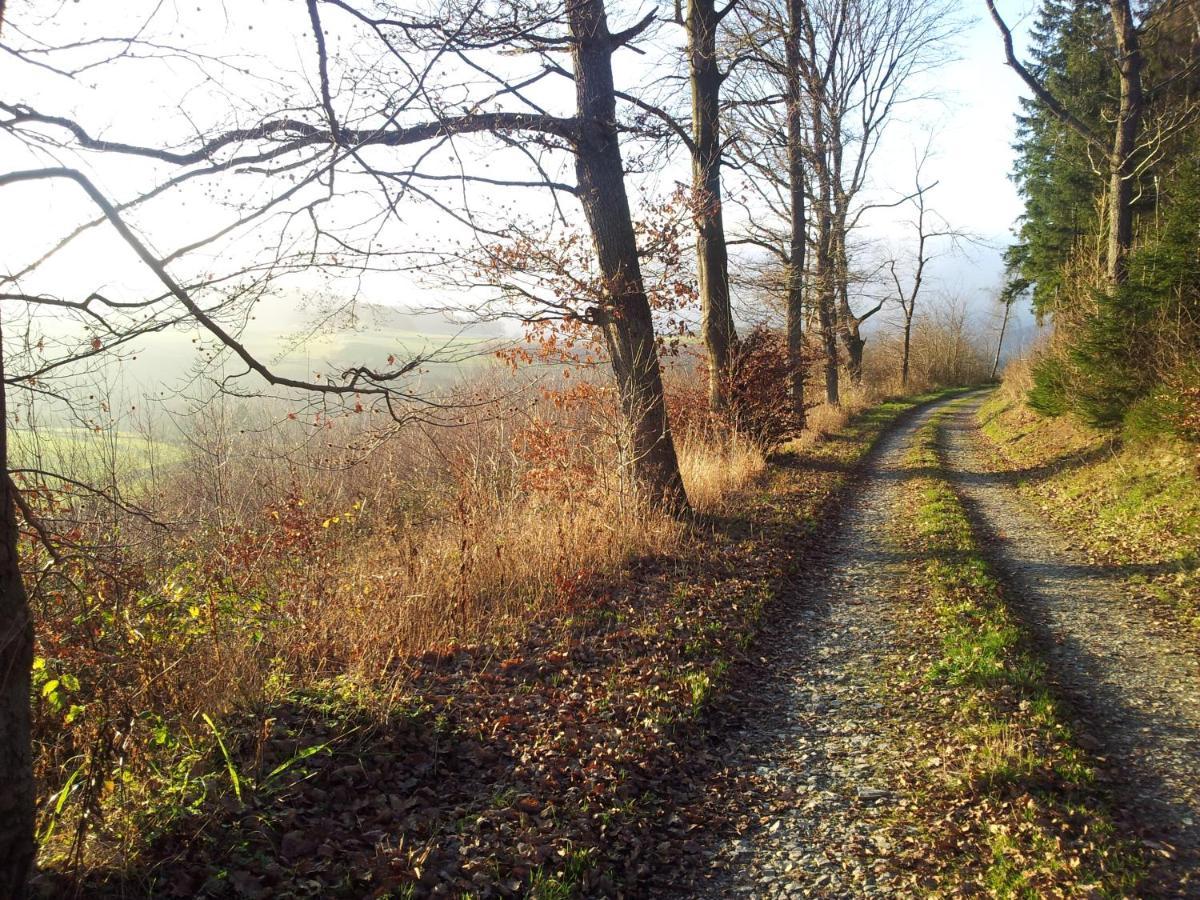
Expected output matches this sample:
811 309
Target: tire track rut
1135 691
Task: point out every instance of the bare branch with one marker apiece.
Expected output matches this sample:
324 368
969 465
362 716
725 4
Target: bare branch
1039 90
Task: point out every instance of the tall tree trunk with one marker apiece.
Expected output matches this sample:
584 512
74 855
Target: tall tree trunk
849 326
854 343
1129 117
798 245
824 273
627 324
1000 342
16 660
908 317
712 254
910 305
826 318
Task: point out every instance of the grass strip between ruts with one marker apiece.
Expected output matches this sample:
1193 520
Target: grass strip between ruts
1014 806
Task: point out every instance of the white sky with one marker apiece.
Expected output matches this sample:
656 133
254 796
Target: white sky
140 100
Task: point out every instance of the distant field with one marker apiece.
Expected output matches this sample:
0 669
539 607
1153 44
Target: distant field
91 455
291 338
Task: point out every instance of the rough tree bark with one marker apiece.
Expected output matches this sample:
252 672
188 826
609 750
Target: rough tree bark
16 660
712 254
798 240
1120 163
826 319
627 324
825 273
904 360
849 328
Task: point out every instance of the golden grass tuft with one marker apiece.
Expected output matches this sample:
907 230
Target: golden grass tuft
481 576
714 470
499 561
823 419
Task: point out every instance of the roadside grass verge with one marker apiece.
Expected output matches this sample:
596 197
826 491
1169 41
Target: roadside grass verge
1006 803
545 762
1131 503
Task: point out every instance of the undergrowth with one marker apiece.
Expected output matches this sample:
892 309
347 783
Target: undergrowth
533 757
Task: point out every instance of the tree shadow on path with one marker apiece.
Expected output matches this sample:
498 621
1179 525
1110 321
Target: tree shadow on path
1134 705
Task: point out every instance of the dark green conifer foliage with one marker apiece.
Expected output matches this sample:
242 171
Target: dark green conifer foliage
1131 356
1136 346
1060 182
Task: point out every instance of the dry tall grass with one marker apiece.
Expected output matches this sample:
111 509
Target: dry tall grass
295 553
714 469
1018 378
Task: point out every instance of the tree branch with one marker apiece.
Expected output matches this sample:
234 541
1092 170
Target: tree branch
1039 90
323 67
375 381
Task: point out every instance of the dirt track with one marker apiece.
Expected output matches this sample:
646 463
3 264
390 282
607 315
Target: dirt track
813 746
813 753
1135 690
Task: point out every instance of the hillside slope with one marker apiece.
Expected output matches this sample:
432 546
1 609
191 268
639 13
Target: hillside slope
1134 504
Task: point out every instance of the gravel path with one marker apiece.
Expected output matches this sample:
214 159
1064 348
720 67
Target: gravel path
811 757
804 767
1135 691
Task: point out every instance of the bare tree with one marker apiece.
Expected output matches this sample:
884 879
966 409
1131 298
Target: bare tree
320 146
797 247
318 142
870 52
768 143
590 135
706 147
1012 291
307 150
928 227
707 150
852 62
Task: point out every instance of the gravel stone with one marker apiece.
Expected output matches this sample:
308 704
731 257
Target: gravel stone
1134 685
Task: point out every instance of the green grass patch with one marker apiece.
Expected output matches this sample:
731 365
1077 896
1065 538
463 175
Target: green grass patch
96 457
1032 820
1133 502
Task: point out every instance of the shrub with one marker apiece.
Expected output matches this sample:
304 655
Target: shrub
1050 389
760 405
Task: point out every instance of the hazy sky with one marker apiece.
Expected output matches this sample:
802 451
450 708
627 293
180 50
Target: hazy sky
972 123
974 132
